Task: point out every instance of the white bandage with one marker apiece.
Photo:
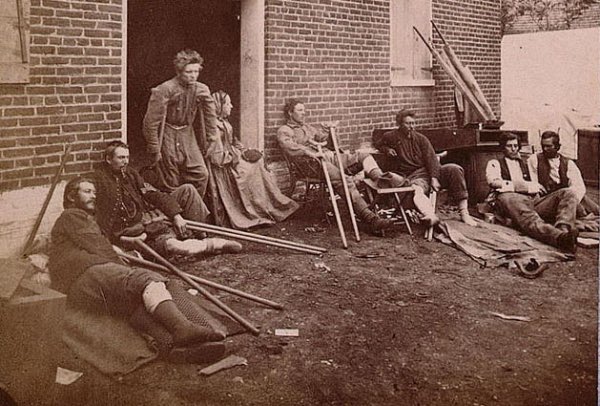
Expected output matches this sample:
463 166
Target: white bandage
154 294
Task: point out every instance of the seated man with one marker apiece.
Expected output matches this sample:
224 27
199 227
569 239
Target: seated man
417 161
84 266
527 203
298 141
554 171
125 205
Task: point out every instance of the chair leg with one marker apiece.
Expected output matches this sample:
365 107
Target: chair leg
402 212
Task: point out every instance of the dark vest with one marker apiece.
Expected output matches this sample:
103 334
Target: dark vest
543 173
506 174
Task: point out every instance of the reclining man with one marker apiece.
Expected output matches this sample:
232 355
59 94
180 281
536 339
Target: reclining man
84 266
416 160
547 216
298 141
125 207
554 171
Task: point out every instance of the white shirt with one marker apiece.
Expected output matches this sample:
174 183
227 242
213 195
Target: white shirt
573 174
516 184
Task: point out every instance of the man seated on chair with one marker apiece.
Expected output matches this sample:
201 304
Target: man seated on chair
127 207
298 141
416 160
84 266
555 171
547 216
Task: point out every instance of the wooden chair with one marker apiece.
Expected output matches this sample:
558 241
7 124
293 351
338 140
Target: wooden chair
307 171
376 194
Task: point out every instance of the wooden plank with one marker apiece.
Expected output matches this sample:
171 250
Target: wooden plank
11 273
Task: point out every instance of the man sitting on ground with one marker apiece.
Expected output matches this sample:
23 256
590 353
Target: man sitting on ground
416 160
555 171
126 207
84 266
546 216
298 141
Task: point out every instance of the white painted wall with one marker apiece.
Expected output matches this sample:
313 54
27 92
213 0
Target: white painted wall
20 209
551 80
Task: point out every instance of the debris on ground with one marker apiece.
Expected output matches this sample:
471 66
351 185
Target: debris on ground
287 332
226 363
66 377
509 317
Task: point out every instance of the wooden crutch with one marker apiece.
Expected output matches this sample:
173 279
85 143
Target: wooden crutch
336 211
147 264
145 247
344 182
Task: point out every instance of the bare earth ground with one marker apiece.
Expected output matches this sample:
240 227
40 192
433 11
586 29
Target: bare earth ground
410 328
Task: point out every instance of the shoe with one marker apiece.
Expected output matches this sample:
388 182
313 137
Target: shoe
567 241
204 353
375 222
183 331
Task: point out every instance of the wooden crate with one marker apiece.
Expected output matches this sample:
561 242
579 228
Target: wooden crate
30 342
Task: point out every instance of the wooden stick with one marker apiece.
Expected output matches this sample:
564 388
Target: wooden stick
142 245
148 264
336 211
466 74
232 234
433 199
454 76
258 236
344 182
40 216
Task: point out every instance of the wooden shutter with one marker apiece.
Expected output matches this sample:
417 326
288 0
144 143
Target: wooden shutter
14 41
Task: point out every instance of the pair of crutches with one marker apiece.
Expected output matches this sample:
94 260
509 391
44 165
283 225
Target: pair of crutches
336 210
195 281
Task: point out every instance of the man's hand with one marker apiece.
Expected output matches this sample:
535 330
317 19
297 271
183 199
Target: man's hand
392 152
541 190
435 184
179 225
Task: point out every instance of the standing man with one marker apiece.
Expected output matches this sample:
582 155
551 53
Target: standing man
546 216
416 160
171 137
84 266
298 141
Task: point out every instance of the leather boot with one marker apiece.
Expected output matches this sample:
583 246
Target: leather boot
182 330
567 240
375 222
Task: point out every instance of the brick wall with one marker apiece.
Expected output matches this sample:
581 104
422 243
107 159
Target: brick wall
589 18
335 56
74 93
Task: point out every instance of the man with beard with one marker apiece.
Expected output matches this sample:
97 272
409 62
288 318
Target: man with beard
416 160
555 171
84 266
546 215
126 207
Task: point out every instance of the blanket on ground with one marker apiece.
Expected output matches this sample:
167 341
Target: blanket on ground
114 347
494 245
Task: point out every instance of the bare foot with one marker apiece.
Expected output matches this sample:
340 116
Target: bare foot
467 219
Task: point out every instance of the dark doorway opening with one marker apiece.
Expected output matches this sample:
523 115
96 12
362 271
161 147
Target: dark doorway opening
157 30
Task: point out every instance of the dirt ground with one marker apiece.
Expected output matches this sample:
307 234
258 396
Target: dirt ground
411 327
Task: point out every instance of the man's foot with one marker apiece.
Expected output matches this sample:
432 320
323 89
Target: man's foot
467 219
190 333
222 246
431 220
567 241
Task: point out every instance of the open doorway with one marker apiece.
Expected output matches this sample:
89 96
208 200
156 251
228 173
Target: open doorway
157 30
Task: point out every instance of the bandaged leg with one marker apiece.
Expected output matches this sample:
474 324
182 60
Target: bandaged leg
465 216
202 247
154 294
423 204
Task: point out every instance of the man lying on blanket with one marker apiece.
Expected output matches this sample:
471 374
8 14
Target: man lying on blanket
546 215
84 266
